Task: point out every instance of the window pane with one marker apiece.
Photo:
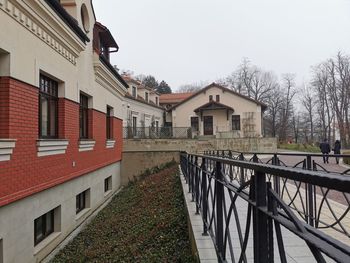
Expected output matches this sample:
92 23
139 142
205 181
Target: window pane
53 117
38 228
44 115
49 223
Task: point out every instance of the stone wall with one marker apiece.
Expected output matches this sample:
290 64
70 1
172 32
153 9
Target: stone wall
194 145
139 155
134 163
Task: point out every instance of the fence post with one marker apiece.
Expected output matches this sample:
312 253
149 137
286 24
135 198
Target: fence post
189 167
241 158
193 178
197 171
219 212
260 220
310 195
275 161
204 198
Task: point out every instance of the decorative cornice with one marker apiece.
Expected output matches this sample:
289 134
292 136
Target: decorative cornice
86 145
107 80
6 149
47 147
33 19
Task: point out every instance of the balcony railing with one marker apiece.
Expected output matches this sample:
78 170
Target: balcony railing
157 133
303 202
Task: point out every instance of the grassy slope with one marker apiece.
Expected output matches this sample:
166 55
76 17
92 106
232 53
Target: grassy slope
300 147
146 222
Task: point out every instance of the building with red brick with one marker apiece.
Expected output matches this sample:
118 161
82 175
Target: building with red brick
60 123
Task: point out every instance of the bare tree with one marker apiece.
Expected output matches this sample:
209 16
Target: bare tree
288 85
308 102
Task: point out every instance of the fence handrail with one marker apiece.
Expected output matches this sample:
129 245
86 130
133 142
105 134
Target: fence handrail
333 181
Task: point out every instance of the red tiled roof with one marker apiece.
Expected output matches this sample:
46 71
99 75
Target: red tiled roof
174 97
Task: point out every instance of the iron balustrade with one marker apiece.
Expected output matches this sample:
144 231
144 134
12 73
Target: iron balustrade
219 183
157 133
309 161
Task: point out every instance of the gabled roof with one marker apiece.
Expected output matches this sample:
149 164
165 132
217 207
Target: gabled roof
213 105
174 97
263 106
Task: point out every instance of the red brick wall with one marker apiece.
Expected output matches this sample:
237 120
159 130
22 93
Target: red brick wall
25 173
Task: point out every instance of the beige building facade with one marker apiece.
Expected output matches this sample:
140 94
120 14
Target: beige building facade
51 183
142 113
218 111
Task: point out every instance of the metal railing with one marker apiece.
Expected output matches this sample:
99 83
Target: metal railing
272 195
157 133
307 161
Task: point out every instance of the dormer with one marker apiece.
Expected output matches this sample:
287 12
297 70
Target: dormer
104 43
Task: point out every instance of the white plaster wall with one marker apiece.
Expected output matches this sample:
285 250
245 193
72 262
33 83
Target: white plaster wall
139 107
17 219
181 114
31 54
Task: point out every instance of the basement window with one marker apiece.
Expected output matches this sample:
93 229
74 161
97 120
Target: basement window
108 184
82 201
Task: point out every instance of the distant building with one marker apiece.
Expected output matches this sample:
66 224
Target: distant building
215 111
61 119
142 113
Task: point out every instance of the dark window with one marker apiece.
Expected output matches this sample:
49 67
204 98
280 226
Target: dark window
194 124
43 226
109 123
210 97
217 98
48 108
146 96
83 116
236 122
80 202
108 184
134 91
134 123
156 100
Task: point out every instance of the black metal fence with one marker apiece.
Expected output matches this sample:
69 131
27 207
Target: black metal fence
306 161
157 133
276 198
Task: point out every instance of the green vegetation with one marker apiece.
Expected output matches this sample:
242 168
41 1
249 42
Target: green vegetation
145 222
299 147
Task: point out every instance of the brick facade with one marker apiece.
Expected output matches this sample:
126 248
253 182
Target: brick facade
26 173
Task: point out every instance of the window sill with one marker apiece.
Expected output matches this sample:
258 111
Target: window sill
48 147
86 145
46 242
82 213
107 193
6 149
110 144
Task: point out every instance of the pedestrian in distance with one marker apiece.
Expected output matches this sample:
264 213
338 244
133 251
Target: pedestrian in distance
336 150
325 150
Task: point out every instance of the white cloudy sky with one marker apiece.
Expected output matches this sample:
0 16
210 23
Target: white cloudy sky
186 41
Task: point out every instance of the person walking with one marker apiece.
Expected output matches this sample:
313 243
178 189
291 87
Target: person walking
325 150
336 149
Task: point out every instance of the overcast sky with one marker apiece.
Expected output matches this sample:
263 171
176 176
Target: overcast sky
187 41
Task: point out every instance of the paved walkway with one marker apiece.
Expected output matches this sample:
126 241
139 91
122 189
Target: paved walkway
296 249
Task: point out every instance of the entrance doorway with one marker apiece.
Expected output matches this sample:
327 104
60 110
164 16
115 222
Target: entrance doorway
208 125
